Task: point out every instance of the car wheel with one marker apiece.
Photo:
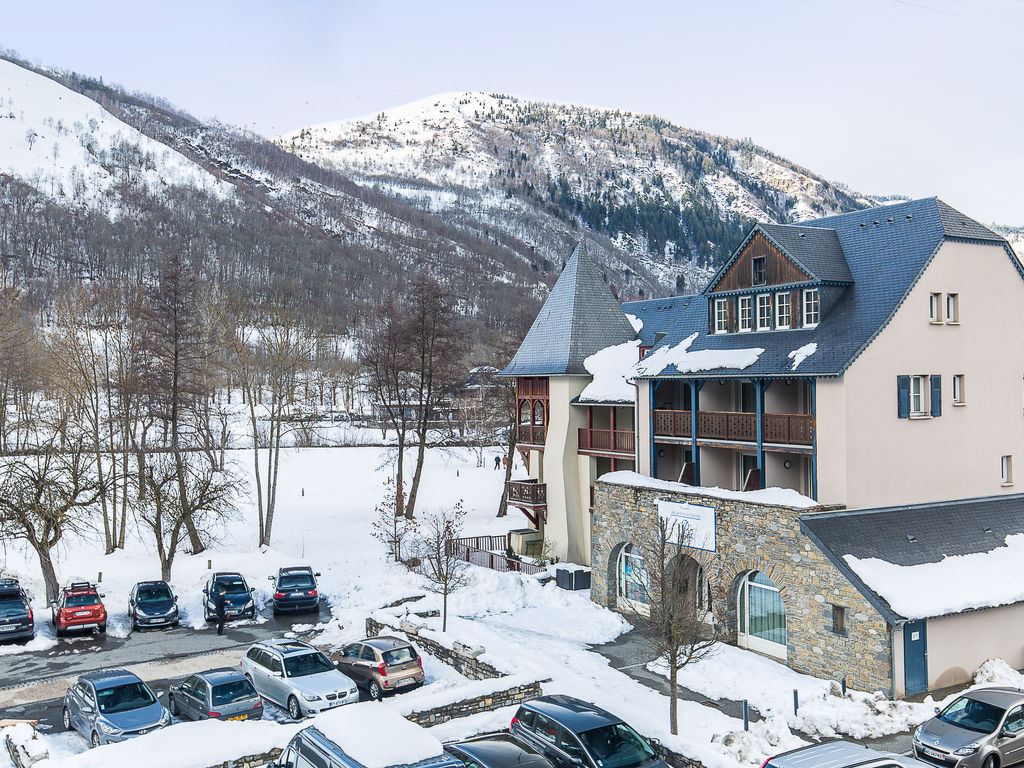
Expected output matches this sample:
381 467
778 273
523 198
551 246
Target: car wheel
65 717
57 631
374 690
172 706
990 762
95 739
293 708
102 629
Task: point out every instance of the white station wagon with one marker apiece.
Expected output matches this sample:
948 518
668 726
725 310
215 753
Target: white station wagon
295 675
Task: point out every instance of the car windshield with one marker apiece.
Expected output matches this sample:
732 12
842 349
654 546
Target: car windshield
121 698
616 746
399 656
296 581
307 664
231 586
12 607
973 715
152 593
229 693
77 601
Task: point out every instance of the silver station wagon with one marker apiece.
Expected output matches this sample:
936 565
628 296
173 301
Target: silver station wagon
297 676
216 694
983 728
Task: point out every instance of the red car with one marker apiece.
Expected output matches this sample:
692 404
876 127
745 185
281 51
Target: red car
78 607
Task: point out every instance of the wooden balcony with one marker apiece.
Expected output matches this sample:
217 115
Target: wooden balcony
531 434
529 387
605 442
779 428
527 493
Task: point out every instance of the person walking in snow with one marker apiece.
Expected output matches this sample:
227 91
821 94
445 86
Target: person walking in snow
220 604
504 462
497 462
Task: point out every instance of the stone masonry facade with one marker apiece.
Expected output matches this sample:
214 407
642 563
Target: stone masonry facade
768 539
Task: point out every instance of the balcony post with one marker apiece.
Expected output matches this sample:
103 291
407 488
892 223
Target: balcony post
695 387
653 389
812 397
760 386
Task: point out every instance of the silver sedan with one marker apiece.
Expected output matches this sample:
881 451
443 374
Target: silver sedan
983 728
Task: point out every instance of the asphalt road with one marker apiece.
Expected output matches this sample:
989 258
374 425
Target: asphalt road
90 651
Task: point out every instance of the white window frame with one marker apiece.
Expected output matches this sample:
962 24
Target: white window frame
935 308
764 301
783 300
748 303
921 396
721 315
959 390
1006 470
811 307
952 309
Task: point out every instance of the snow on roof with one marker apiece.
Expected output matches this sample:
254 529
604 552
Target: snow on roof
702 360
635 321
954 584
776 497
802 353
610 367
377 737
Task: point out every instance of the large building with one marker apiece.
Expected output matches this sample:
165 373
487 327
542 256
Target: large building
868 361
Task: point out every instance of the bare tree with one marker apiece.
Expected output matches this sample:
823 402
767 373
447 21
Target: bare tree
438 562
390 529
677 617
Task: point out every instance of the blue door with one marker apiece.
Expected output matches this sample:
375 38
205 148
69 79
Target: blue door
915 657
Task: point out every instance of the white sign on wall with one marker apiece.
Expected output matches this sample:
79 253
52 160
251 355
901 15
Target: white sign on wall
689 524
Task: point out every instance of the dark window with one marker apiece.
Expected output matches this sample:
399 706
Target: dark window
839 619
525 716
973 715
272 662
296 581
153 592
122 698
399 656
254 655
352 652
368 654
546 728
758 270
307 664
80 601
229 693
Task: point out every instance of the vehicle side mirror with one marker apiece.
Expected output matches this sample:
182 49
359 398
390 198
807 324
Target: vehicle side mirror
936 710
160 694
272 764
577 761
277 673
87 709
175 598
252 589
316 574
102 595
655 744
270 578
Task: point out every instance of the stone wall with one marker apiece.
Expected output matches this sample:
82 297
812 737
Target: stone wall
250 761
768 539
505 698
467 665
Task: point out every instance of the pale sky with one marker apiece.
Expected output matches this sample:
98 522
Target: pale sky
912 97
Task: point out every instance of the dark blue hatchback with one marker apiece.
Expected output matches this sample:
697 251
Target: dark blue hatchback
295 589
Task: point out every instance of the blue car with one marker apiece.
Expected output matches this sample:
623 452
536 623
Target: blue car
239 602
152 604
295 590
112 705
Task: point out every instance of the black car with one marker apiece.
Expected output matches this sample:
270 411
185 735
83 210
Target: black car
16 621
295 590
497 751
572 733
238 596
152 604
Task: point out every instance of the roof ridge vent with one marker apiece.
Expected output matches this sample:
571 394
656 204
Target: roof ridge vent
802 234
890 219
911 538
909 216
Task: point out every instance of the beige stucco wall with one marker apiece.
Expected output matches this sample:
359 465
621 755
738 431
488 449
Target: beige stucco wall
957 645
643 427
830 432
894 461
568 523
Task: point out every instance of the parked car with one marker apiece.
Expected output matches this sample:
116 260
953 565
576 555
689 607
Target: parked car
112 705
365 734
16 620
382 665
839 754
295 675
219 694
78 606
295 590
572 733
983 728
498 751
238 596
152 604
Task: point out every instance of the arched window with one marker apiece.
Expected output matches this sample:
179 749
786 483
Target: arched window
689 578
524 412
631 581
538 413
761 615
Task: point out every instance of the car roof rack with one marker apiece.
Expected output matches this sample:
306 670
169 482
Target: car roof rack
75 586
9 581
295 569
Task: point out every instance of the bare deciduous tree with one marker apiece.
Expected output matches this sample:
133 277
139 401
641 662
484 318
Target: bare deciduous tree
438 562
392 530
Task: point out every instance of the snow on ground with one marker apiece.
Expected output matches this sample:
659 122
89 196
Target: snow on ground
684 361
610 367
955 583
733 673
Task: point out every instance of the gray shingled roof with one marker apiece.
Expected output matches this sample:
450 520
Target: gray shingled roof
816 250
580 317
914 534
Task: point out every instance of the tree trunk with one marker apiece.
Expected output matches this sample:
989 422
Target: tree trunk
399 478
673 697
49 572
416 475
444 611
511 456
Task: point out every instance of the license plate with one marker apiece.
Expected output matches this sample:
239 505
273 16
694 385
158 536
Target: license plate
406 681
230 613
296 594
7 629
934 753
334 704
82 613
237 717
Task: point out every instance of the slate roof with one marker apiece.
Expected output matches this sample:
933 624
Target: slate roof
885 248
914 534
816 249
580 317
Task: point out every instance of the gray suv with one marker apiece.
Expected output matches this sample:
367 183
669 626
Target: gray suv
216 694
983 728
112 705
840 754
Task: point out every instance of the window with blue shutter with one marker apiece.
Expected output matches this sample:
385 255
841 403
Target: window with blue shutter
903 397
936 400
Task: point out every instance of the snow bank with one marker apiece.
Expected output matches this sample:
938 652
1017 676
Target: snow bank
777 497
610 368
954 584
802 353
701 360
376 736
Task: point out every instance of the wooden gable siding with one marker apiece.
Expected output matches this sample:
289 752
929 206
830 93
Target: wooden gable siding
781 270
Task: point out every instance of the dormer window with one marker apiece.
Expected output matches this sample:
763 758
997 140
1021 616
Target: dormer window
746 313
759 270
721 315
764 312
811 308
782 316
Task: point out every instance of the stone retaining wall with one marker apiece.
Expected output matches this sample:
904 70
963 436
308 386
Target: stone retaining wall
764 538
466 665
250 761
507 698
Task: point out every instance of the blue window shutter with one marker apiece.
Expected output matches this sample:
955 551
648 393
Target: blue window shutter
936 395
903 396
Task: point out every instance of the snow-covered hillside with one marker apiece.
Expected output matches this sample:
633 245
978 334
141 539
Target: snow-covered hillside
70 148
